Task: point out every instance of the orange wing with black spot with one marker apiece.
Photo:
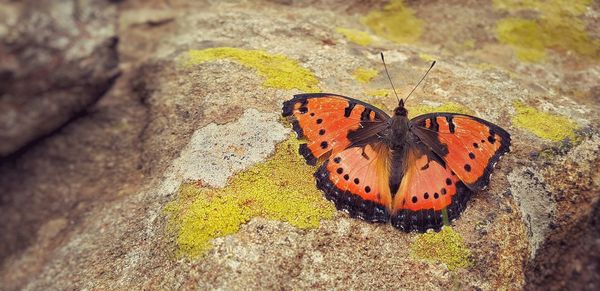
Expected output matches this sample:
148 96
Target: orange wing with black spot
430 193
331 123
357 181
470 146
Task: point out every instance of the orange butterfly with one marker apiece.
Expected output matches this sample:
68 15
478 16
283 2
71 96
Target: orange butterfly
417 174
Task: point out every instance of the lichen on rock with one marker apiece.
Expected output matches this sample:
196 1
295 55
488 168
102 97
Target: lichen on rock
446 246
278 70
364 75
355 36
558 26
378 92
281 188
395 22
450 107
545 125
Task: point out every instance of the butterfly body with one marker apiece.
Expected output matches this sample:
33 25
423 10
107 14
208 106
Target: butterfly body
416 173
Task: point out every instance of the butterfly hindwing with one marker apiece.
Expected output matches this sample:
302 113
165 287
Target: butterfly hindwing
469 145
331 123
356 180
430 194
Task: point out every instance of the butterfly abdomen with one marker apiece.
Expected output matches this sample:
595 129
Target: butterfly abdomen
397 169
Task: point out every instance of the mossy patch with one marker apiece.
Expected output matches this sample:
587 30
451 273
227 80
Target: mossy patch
557 26
446 246
364 75
545 125
279 71
395 22
281 188
355 36
450 107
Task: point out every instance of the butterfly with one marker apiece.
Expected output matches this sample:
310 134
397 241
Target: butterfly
417 174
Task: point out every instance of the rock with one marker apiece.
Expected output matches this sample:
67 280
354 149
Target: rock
57 58
190 136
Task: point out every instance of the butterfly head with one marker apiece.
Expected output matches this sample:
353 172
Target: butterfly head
400 110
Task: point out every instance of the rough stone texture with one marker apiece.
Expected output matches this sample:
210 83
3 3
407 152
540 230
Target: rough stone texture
56 59
535 202
215 152
82 208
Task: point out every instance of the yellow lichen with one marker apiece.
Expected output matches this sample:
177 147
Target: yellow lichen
395 22
469 44
279 71
524 36
378 92
281 188
355 36
450 107
446 247
364 75
427 57
545 125
558 26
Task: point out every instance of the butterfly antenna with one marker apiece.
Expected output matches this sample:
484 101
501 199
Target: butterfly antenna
388 75
413 90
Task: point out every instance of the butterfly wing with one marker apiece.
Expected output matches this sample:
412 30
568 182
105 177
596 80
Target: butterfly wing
356 180
330 123
430 194
470 146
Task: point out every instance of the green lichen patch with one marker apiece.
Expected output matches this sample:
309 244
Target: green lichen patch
446 247
364 75
545 125
450 107
355 36
279 71
281 188
395 22
558 26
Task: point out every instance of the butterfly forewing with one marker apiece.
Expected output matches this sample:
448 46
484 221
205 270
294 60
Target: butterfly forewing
331 123
470 146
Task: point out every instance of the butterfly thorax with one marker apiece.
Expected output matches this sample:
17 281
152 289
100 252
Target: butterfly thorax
399 127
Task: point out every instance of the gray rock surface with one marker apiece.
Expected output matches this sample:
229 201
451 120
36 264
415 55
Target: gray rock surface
56 59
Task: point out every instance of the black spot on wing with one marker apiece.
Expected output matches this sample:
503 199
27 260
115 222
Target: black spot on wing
364 116
352 203
451 125
496 134
423 220
348 110
434 125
